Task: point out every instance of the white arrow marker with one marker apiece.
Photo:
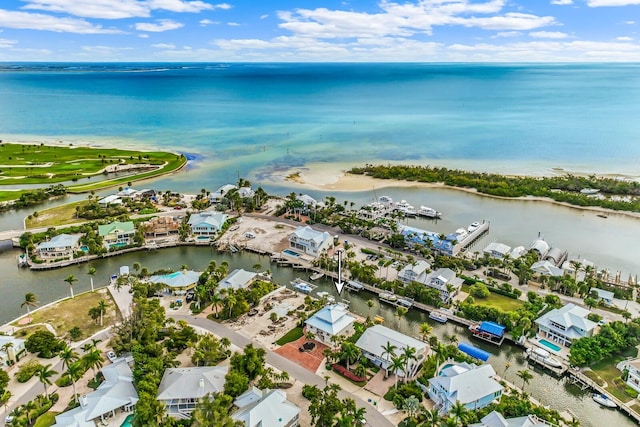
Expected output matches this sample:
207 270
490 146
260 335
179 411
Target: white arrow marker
339 284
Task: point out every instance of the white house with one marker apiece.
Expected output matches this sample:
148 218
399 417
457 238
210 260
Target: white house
309 241
111 200
376 338
178 282
563 325
633 376
495 419
445 281
546 268
207 223
238 279
332 319
471 385
414 272
605 296
181 389
219 194
10 349
115 393
262 408
245 192
60 246
497 250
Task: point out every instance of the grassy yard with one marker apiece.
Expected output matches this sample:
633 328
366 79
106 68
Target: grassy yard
69 313
7 195
496 301
59 215
45 420
606 369
290 336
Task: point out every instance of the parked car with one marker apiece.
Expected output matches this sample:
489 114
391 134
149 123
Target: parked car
111 355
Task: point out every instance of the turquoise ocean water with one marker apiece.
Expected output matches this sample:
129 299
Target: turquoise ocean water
254 119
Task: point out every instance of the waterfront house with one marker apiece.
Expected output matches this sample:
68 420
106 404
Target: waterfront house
221 192
375 338
496 419
111 200
331 320
115 393
238 279
117 233
308 201
414 272
633 372
161 226
11 349
604 296
517 252
471 385
179 282
181 389
563 325
207 223
445 281
245 192
262 408
309 241
546 268
62 246
127 193
497 250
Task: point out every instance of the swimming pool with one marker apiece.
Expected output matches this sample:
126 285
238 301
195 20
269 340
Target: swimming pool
127 421
204 238
448 365
84 248
290 252
550 345
118 245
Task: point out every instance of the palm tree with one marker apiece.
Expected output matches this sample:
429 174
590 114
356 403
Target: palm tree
93 345
431 418
137 266
388 351
5 396
397 364
525 376
425 330
74 372
231 302
93 360
91 273
460 412
68 356
44 374
370 305
216 300
70 279
257 267
409 355
453 339
30 300
350 352
309 336
102 306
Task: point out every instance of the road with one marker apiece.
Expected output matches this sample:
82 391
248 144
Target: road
373 416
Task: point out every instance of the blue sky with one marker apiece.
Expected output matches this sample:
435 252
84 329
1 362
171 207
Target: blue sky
320 30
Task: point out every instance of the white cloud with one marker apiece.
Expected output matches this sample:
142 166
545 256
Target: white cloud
562 2
38 21
507 34
119 9
233 24
548 35
4 43
164 45
624 39
205 22
143 36
264 16
601 3
630 22
104 51
161 25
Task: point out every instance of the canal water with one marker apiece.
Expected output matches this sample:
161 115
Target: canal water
50 285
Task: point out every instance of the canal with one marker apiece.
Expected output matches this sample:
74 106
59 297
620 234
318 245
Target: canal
50 285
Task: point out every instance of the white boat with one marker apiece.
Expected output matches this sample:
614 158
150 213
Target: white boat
604 400
544 357
302 286
461 233
404 207
438 316
326 296
352 285
22 260
428 212
388 297
405 302
385 200
473 227
316 276
589 191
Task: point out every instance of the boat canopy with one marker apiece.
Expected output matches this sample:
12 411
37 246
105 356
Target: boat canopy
492 328
474 352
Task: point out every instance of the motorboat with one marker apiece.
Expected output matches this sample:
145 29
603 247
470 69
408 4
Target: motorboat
461 233
352 285
388 297
473 227
428 212
405 302
589 191
604 400
405 208
438 316
544 357
316 276
302 286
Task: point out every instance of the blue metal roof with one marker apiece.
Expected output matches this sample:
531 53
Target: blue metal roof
473 351
492 328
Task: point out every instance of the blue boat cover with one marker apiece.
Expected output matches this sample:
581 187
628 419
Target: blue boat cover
492 328
473 351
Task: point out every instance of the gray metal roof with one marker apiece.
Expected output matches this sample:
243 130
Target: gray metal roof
194 382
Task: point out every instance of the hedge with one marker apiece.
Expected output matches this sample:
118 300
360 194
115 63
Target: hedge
347 373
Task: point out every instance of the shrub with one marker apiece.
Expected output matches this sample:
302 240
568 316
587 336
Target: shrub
347 373
479 290
631 392
27 371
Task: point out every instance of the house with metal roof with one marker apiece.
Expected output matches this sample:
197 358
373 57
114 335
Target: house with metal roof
62 246
181 389
496 419
117 233
497 250
603 295
546 268
238 279
110 200
219 194
179 281
330 320
261 408
414 272
115 393
207 223
471 385
375 338
563 325
445 281
310 241
245 192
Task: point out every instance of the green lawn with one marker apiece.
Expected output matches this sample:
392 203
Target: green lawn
45 420
59 215
496 301
290 336
606 369
6 196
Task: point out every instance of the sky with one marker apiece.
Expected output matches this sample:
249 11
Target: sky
320 30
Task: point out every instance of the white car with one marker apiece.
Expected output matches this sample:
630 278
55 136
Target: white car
111 355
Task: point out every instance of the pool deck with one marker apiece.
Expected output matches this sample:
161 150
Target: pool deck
563 353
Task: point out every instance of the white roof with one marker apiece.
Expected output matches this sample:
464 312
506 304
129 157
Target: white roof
333 319
110 200
273 409
214 219
76 417
238 278
570 316
495 419
420 267
541 246
127 192
547 268
309 234
517 252
246 192
603 294
189 383
469 385
495 247
220 192
307 200
59 241
179 279
376 337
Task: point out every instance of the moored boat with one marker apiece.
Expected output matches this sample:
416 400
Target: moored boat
544 357
316 276
352 285
604 400
22 260
302 286
388 297
428 212
438 316
473 227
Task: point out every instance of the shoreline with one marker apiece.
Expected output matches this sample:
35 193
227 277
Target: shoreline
343 181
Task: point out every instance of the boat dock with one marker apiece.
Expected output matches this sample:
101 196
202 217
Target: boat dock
489 331
354 286
471 238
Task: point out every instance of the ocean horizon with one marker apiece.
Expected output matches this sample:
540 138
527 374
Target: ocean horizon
255 119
